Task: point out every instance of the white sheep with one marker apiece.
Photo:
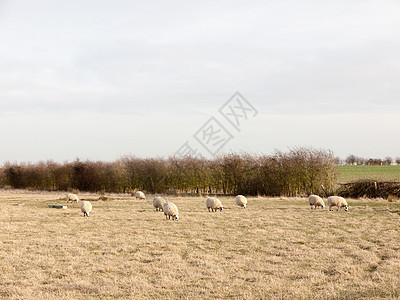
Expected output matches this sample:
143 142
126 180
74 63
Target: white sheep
171 210
140 195
72 197
86 208
315 201
213 204
241 201
158 203
337 201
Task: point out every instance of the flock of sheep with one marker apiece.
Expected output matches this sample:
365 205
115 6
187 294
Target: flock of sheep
213 204
171 210
86 206
332 201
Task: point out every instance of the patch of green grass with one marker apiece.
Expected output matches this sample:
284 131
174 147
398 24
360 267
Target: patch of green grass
352 173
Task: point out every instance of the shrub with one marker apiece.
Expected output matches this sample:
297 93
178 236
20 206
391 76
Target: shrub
370 189
297 172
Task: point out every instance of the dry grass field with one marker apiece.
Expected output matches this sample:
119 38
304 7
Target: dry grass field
277 248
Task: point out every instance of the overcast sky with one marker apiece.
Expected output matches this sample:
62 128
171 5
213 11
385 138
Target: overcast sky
96 79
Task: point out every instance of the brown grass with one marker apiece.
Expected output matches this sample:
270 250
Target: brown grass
277 248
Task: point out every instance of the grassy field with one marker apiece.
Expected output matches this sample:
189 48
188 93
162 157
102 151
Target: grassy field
277 248
350 173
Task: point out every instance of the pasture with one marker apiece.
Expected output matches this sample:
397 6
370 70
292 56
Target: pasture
277 248
383 173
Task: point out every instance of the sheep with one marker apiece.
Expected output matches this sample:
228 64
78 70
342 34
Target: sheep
140 195
337 201
72 197
170 210
158 203
86 208
213 204
241 201
315 201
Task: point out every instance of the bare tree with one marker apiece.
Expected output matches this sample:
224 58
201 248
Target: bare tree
351 159
388 161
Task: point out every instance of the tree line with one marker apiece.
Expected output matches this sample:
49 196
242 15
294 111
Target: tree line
298 171
356 160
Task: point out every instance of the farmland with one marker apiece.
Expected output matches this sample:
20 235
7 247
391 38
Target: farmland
277 248
351 173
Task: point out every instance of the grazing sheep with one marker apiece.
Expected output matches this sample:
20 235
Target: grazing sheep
315 201
72 197
214 204
158 203
171 210
337 201
241 201
140 195
86 208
